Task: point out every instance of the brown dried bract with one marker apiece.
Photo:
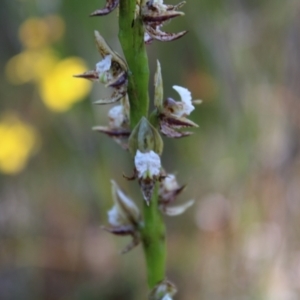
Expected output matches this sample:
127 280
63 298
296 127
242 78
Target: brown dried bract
109 7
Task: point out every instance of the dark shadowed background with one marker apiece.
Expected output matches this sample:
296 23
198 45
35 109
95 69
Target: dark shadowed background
240 241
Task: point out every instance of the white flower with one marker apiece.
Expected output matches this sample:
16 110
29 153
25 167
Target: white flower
124 212
167 297
147 164
185 107
116 116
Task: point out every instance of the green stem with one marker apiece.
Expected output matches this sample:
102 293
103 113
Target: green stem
131 35
154 241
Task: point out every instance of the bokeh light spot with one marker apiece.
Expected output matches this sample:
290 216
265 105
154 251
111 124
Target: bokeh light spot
56 26
59 89
18 141
33 33
30 65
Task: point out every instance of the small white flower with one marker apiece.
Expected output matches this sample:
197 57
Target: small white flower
185 107
167 297
124 212
147 164
116 116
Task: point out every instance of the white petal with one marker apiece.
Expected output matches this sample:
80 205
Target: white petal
116 116
103 65
147 163
178 210
167 297
114 218
159 2
186 99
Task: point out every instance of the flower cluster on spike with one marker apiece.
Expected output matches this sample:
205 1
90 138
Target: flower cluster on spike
154 14
144 142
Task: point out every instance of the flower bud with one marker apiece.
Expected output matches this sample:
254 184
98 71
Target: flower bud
158 88
145 138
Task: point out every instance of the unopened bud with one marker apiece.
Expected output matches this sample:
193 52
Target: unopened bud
158 88
145 138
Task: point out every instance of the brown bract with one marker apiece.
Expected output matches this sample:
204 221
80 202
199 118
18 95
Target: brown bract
109 7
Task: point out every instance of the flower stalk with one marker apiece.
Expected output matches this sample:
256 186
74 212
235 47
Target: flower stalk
154 241
131 36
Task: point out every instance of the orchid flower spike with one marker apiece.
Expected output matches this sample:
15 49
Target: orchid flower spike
154 14
112 71
124 217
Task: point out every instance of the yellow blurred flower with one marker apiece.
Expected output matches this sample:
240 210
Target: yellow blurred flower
37 33
18 141
39 64
30 65
59 90
56 25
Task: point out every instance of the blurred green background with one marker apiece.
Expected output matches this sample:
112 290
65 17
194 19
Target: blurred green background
240 241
